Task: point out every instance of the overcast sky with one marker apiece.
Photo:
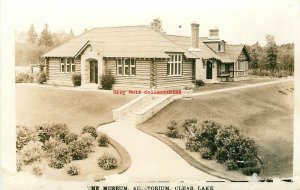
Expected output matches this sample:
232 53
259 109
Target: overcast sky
239 21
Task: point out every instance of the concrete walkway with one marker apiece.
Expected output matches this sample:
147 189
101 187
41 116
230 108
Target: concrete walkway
151 159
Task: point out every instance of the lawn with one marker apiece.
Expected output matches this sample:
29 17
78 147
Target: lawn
36 105
262 113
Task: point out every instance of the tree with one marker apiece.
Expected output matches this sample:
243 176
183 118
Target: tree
272 52
31 35
46 37
156 24
71 35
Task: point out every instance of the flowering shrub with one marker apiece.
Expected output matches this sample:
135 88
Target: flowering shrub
70 137
31 152
56 130
24 135
107 162
60 156
103 140
41 77
71 169
24 78
91 130
172 129
37 170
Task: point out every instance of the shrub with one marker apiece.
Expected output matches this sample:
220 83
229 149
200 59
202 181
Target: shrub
249 171
41 78
24 135
31 152
103 140
37 170
60 156
189 124
231 165
56 130
199 83
225 134
107 162
107 81
91 130
70 137
192 144
80 148
24 78
19 162
51 144
206 153
76 79
172 129
71 169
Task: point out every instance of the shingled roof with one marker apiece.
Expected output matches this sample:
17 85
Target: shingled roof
126 41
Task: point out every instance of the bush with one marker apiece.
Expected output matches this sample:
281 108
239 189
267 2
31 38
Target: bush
107 162
199 83
206 153
51 144
71 169
76 79
24 135
231 165
60 156
189 124
103 140
80 148
192 144
24 78
249 171
172 129
31 152
19 162
41 78
37 170
70 137
56 130
107 81
91 130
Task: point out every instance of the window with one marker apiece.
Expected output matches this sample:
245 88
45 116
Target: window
222 67
126 67
132 67
221 47
67 65
174 66
240 66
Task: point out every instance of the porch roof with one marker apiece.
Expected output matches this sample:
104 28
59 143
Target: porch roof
127 41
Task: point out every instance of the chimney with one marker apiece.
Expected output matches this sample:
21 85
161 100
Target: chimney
195 35
214 34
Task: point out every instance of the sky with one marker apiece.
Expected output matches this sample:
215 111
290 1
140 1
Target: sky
239 21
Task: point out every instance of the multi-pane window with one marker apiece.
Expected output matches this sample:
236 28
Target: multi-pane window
174 66
221 47
67 65
240 65
126 67
223 67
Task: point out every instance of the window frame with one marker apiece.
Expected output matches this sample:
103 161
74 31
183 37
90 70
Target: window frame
174 65
65 62
121 66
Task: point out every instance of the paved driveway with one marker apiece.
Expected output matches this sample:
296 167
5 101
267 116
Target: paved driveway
152 160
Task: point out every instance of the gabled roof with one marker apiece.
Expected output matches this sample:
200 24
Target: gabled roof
185 42
233 52
126 41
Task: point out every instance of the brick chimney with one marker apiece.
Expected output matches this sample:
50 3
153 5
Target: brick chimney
195 35
213 34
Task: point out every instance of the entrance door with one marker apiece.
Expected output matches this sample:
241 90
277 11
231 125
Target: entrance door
209 70
93 72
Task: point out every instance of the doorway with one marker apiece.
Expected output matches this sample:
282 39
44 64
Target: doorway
208 70
94 72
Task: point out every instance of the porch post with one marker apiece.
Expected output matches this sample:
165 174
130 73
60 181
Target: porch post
100 69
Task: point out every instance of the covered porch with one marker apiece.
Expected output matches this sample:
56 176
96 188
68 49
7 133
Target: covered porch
229 71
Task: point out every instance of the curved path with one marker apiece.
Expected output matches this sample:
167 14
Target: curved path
151 159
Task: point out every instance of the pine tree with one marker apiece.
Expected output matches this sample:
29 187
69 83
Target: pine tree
45 37
71 35
272 52
31 35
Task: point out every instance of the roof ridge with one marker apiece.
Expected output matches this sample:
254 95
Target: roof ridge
100 27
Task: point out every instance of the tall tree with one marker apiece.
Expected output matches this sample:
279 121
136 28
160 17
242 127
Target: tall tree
45 37
31 35
272 52
156 24
71 35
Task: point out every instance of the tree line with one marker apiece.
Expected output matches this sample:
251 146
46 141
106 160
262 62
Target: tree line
29 46
272 57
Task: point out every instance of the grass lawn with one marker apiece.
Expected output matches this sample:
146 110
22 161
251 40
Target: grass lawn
262 113
36 105
215 86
